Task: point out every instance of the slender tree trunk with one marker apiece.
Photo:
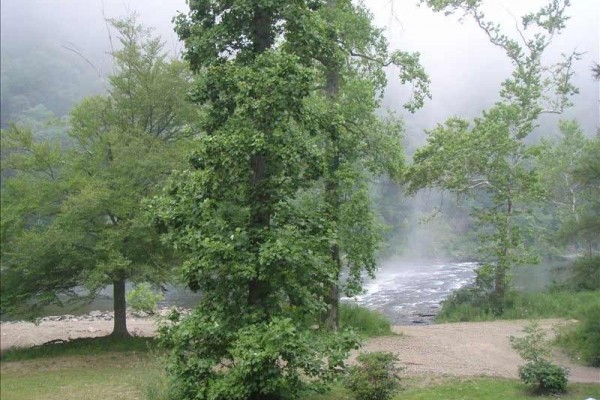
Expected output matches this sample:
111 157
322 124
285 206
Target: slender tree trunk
260 215
332 88
120 306
504 262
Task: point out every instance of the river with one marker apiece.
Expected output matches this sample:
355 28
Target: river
409 293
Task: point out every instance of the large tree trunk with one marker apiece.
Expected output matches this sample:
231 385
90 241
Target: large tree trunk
120 306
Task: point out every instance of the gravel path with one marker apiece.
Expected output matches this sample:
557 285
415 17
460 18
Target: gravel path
460 349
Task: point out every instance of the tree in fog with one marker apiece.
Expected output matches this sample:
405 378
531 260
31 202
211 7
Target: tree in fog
72 214
488 158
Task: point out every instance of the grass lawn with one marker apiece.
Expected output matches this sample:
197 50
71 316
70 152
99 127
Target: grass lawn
133 375
98 377
94 368
445 388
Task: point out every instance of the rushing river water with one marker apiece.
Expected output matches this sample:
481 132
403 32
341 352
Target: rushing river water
409 293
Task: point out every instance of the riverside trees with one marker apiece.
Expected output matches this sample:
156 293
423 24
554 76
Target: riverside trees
489 157
71 211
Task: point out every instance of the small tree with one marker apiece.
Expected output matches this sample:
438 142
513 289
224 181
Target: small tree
143 298
538 371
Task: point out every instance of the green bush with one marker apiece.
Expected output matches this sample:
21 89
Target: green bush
545 376
275 359
143 298
538 372
364 321
375 377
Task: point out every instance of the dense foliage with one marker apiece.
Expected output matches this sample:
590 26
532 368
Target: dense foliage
582 341
277 202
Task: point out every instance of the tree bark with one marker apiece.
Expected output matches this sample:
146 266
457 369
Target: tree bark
260 215
332 89
504 262
120 308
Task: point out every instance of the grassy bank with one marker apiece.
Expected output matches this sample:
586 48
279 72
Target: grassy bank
551 304
366 322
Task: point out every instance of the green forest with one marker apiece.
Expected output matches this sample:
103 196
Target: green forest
263 168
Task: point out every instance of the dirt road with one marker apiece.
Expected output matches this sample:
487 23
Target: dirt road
460 349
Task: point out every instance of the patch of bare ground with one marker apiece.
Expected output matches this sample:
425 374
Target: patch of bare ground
458 349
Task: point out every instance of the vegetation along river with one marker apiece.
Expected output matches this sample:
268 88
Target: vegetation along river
405 292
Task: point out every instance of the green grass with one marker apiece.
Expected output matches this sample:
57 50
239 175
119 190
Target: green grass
469 389
364 321
141 376
98 377
81 347
553 304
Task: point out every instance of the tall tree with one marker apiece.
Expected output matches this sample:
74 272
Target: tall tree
256 242
350 57
490 158
75 209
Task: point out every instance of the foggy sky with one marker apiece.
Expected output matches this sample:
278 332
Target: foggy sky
465 69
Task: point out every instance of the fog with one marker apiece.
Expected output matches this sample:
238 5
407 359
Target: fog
465 69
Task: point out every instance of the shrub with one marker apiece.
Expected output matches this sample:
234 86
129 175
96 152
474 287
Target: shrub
538 372
275 359
143 298
375 376
545 376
